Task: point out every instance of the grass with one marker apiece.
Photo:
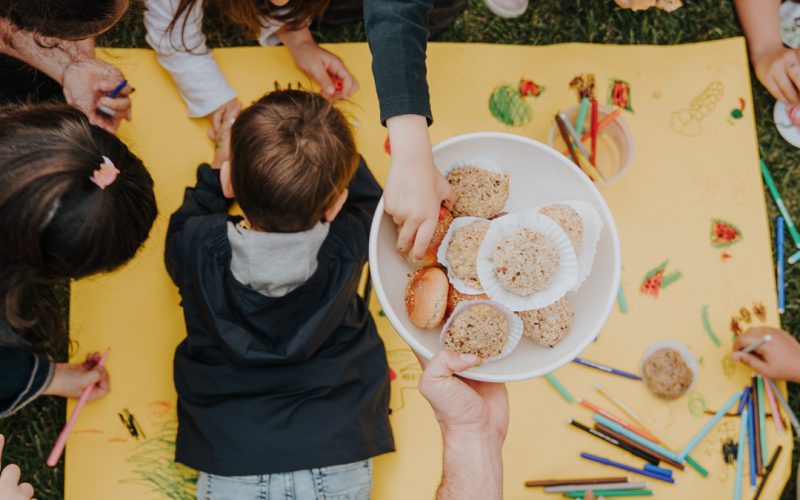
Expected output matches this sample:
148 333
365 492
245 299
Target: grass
547 21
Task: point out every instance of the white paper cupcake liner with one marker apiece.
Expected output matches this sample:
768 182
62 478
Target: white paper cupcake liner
683 350
441 255
592 228
515 326
566 273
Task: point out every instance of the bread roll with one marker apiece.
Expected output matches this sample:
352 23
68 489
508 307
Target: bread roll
426 297
429 259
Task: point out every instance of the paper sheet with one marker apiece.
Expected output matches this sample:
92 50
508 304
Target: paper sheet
693 162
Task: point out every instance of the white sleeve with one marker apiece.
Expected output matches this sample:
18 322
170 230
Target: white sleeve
268 36
184 54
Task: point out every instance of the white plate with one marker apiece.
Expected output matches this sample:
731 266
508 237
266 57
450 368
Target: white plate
785 127
538 176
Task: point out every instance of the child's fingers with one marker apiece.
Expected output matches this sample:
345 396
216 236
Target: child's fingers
787 88
772 86
748 338
406 237
751 360
10 475
423 237
26 489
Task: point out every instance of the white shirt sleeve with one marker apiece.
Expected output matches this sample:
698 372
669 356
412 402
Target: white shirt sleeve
183 52
268 36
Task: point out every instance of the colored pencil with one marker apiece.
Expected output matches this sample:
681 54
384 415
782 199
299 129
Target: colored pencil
581 121
794 258
768 471
581 481
737 485
657 470
699 468
786 408
710 425
751 440
752 346
762 420
572 133
562 128
588 168
623 303
650 459
613 493
607 369
624 439
780 264
58 447
558 387
113 94
743 400
593 407
595 487
625 408
773 406
595 130
605 122
600 419
618 465
776 196
756 427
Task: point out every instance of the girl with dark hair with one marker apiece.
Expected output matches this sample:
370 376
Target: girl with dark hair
47 47
75 202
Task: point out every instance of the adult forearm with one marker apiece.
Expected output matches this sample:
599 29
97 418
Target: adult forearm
760 21
48 55
472 466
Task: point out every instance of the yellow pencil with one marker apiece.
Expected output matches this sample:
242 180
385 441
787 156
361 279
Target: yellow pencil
622 406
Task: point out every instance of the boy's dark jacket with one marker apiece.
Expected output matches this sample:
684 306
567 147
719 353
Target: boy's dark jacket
269 385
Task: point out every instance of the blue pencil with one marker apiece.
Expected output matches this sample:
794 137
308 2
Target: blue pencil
780 264
751 428
605 461
657 470
607 369
744 400
794 258
737 485
114 93
710 425
635 437
776 196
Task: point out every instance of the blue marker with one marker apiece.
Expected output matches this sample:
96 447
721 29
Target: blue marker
780 264
114 93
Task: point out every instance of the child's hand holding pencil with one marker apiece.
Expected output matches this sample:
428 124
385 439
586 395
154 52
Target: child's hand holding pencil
778 358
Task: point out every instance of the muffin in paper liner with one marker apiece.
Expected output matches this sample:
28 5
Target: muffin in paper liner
490 166
441 254
566 274
685 353
592 228
514 326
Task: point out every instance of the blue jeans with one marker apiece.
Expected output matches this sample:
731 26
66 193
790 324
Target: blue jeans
338 482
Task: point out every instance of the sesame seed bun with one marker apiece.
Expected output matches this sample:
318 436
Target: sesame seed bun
426 297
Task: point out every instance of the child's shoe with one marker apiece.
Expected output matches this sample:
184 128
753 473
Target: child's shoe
507 8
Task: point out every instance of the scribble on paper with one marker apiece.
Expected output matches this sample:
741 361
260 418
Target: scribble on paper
404 374
619 94
583 85
657 279
689 121
509 105
132 425
707 326
697 403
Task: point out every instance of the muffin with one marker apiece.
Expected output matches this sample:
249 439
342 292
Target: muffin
426 297
479 192
480 329
454 297
525 262
569 220
667 373
547 326
442 225
462 252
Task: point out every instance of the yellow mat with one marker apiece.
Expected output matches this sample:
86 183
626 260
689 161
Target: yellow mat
695 161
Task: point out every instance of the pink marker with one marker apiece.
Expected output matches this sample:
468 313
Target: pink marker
58 448
773 406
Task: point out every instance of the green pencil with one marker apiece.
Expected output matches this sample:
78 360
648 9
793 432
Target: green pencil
776 196
611 493
762 419
582 115
560 388
699 468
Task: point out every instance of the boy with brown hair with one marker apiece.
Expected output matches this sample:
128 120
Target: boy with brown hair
282 381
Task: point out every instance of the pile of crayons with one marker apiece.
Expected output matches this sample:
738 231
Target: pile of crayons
630 434
574 137
784 219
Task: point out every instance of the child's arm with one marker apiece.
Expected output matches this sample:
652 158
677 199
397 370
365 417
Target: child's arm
23 377
777 67
778 359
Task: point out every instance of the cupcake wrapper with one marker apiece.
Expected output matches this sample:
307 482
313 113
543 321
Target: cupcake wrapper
592 228
682 349
566 273
441 255
515 326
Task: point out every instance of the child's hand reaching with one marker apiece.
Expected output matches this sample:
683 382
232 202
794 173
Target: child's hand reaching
70 380
778 359
779 71
330 73
222 142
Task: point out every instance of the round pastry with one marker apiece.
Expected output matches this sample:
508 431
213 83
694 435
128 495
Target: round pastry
454 297
462 252
479 192
525 262
481 330
569 220
442 225
547 326
426 297
667 373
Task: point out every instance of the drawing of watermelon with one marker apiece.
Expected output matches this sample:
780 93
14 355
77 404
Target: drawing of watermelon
724 234
651 284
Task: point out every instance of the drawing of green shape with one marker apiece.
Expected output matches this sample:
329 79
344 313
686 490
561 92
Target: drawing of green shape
509 106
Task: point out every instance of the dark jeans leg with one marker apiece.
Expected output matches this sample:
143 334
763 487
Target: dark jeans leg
20 83
350 11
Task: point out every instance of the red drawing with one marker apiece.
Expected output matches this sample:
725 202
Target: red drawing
619 94
392 375
387 146
736 328
724 234
656 280
529 87
725 256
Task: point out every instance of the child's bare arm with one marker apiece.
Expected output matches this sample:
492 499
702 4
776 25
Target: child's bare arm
778 359
777 67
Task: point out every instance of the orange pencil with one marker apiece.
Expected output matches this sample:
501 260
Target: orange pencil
605 122
593 158
618 420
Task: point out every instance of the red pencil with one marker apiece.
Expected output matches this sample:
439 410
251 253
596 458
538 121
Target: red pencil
593 158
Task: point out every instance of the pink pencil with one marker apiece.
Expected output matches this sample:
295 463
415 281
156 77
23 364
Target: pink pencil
58 448
773 406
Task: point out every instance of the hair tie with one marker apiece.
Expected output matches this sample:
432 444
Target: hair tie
106 174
